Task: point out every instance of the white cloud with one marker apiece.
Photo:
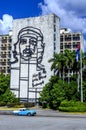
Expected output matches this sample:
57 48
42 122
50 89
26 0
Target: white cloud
72 13
85 45
78 6
6 24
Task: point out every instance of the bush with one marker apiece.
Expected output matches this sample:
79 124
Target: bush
19 106
66 103
29 104
72 106
2 103
10 104
72 109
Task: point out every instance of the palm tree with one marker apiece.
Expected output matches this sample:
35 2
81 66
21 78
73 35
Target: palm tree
69 57
57 63
62 63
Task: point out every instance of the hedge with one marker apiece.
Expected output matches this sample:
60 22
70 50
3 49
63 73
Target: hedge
72 106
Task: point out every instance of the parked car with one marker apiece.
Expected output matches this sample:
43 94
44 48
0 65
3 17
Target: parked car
25 112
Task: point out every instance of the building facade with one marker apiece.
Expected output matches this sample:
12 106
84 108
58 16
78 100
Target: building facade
34 42
5 53
70 40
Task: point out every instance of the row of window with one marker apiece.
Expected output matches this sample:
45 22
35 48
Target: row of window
4 63
68 46
6 48
4 60
4 70
6 40
74 44
5 52
69 38
5 55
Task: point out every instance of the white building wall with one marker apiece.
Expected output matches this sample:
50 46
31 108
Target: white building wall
22 74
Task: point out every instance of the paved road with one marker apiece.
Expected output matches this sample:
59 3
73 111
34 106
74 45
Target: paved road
11 122
48 113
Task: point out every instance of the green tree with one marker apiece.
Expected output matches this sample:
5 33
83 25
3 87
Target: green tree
4 83
63 63
57 63
58 94
55 91
8 97
5 94
69 57
46 95
71 92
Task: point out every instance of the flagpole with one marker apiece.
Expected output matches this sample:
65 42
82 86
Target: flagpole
78 81
81 71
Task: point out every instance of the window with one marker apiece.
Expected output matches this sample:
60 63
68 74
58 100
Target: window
54 37
4 39
54 28
10 40
54 19
68 38
54 45
61 39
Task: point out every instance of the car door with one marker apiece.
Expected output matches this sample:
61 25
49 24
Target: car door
21 112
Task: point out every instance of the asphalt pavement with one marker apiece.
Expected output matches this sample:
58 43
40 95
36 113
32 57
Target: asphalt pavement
48 113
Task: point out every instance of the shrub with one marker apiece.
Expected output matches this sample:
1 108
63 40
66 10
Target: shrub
2 103
72 109
66 103
10 104
29 104
19 106
72 106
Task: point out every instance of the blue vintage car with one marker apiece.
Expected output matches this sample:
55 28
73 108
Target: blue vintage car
25 112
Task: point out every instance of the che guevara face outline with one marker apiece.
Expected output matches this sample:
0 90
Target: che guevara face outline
27 46
30 40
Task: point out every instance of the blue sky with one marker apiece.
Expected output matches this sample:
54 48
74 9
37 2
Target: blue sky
72 13
20 8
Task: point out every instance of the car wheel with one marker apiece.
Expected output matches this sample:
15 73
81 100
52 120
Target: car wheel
29 114
32 114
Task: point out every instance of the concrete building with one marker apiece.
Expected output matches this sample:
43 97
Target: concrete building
34 42
5 53
70 40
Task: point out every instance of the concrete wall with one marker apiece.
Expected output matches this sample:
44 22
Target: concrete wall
29 75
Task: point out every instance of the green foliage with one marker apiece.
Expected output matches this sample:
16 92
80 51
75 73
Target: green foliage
64 84
29 104
73 109
71 92
66 103
4 83
45 94
55 91
6 96
57 94
72 106
84 90
52 93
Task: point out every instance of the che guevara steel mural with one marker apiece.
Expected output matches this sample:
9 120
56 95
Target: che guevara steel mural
31 51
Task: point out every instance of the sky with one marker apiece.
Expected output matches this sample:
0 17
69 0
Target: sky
72 13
